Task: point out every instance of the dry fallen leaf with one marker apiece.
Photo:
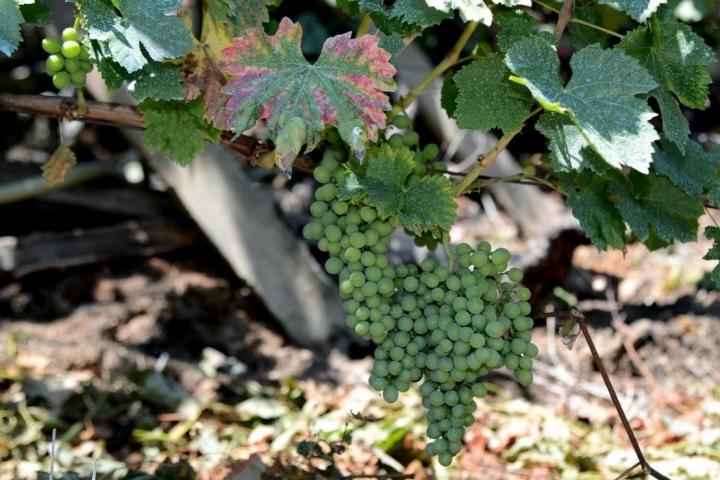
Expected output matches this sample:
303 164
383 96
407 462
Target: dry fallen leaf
60 163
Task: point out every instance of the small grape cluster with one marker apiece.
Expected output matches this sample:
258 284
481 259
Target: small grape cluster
69 60
446 325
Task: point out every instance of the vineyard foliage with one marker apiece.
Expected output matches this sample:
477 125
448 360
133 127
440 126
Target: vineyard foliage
618 140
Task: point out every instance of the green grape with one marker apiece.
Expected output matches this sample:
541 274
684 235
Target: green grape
357 279
524 377
326 193
479 390
322 174
353 255
333 233
368 214
526 363
401 121
494 329
523 294
395 141
512 361
54 63
522 323
334 265
531 350
390 394
430 151
500 256
453 283
77 78
329 162
69 34
433 431
525 308
511 310
85 56
51 45
377 383
410 138
70 49
362 328
340 208
369 289
357 240
515 274
318 209
518 346
61 80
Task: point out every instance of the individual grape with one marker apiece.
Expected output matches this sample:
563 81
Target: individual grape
333 233
531 350
70 49
518 346
401 121
395 141
84 55
511 310
353 255
500 256
430 151
525 308
523 294
515 274
54 63
479 390
494 329
524 377
522 323
357 279
51 45
512 361
339 208
390 394
362 328
369 289
77 78
410 284
410 138
318 209
61 80
322 174
377 383
526 363
453 283
367 259
326 193
334 265
69 34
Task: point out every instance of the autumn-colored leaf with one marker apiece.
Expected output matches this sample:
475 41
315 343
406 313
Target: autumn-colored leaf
60 163
272 80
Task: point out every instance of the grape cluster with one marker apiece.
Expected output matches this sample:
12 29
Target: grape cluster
444 326
69 61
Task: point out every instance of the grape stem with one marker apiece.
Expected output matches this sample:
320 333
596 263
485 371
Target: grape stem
82 104
581 22
450 60
520 178
448 250
563 18
484 161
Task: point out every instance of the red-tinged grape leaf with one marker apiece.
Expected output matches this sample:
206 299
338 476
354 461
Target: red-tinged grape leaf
271 79
60 163
428 206
201 73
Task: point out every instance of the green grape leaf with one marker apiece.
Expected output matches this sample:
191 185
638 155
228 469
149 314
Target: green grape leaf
140 24
427 206
36 13
177 129
600 97
394 45
10 20
350 7
515 25
448 94
417 12
240 15
488 99
584 35
599 217
639 10
651 203
713 233
272 80
690 171
157 80
569 150
675 125
674 55
383 18
474 10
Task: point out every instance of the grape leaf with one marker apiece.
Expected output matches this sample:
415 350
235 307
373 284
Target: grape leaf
600 97
652 204
474 10
35 13
448 94
394 45
713 233
639 10
599 217
201 72
677 58
59 164
488 99
141 24
427 206
240 15
10 20
690 171
568 148
176 129
272 80
157 80
515 25
383 18
350 7
584 35
417 12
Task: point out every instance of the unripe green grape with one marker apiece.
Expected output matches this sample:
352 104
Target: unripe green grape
69 34
511 310
411 138
357 279
526 363
390 394
515 274
404 324
321 174
531 350
500 256
70 49
401 121
410 284
318 209
451 398
51 45
362 328
368 214
326 193
525 336
339 208
524 377
85 56
61 80
377 383
329 162
430 151
54 63
433 431
455 434
496 344
395 141
494 329
525 308
334 265
522 323
77 78
353 255
479 390
408 303
512 361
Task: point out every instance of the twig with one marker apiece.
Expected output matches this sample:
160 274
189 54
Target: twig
563 18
